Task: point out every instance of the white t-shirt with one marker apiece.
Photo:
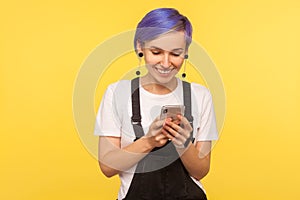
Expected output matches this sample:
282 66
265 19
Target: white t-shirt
114 116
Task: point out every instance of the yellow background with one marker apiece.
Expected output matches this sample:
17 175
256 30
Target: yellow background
255 45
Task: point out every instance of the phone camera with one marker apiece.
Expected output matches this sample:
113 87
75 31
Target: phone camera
165 111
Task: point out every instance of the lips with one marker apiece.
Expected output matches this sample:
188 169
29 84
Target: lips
163 71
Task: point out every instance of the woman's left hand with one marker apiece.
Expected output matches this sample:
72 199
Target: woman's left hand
178 131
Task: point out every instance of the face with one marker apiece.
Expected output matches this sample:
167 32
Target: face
164 56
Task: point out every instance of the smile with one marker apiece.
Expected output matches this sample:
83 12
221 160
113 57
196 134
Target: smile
161 71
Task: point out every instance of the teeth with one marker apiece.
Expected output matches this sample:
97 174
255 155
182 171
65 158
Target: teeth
164 71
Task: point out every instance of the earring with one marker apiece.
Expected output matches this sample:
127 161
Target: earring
183 75
140 54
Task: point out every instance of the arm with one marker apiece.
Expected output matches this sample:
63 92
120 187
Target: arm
113 159
196 159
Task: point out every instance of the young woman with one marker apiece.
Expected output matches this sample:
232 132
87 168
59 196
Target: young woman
157 158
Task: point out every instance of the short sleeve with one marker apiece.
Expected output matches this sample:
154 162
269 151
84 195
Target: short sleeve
107 120
207 129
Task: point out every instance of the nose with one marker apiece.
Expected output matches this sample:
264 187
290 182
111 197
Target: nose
165 62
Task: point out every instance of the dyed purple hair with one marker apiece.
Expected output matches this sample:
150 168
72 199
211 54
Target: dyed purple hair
161 21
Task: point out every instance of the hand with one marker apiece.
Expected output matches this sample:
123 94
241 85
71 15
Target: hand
155 135
177 131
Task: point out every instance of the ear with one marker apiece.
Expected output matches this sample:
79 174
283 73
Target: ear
139 46
186 52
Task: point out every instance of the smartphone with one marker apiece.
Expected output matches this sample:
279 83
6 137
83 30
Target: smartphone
171 111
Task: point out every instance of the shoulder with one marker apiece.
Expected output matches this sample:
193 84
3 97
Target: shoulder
116 92
200 90
197 89
119 85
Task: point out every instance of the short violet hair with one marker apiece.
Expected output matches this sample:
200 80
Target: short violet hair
161 21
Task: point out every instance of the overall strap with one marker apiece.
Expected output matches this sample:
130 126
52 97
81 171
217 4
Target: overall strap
187 99
136 118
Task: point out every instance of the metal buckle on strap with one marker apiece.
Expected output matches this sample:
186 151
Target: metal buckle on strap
135 121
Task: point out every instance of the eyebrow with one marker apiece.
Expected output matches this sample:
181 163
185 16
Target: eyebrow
154 47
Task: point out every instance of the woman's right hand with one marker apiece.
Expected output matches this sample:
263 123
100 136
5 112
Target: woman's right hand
155 136
113 159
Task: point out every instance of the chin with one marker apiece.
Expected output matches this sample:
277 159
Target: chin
164 81
160 79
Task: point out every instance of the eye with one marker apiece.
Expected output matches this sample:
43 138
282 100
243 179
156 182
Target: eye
155 52
176 54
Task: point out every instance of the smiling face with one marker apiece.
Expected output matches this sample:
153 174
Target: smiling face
164 57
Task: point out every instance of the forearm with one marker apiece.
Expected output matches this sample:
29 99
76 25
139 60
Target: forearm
197 164
114 159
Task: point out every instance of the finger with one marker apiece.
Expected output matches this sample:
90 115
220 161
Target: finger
169 126
173 125
174 133
177 121
185 133
177 142
157 124
179 129
173 139
186 123
167 134
160 137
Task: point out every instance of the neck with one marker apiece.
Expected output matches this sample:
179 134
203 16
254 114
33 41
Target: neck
154 87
